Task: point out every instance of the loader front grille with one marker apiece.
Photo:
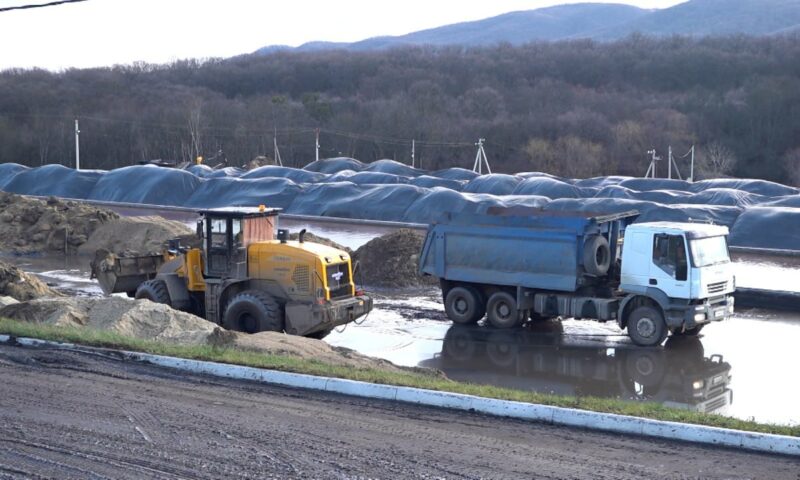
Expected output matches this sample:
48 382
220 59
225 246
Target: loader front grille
339 280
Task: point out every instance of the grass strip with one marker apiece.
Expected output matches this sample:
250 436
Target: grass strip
426 380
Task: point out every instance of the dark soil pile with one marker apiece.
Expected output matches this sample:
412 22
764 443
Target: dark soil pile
391 261
31 225
22 286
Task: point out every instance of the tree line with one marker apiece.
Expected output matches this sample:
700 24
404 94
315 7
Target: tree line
577 108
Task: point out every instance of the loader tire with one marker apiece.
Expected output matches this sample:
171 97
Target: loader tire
464 305
253 311
596 255
155 291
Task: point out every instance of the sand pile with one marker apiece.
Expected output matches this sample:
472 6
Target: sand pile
136 235
30 225
152 321
391 261
20 285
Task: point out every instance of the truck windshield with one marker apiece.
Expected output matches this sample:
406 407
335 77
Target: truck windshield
709 251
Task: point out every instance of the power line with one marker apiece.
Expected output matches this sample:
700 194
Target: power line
39 5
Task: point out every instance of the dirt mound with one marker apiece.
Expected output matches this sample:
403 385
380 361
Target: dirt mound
152 321
21 285
311 237
391 260
139 319
140 235
30 225
291 345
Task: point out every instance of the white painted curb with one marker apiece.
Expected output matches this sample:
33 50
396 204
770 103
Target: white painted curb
608 422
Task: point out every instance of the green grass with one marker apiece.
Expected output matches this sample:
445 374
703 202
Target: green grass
427 380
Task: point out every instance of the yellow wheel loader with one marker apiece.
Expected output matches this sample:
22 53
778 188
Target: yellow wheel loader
243 278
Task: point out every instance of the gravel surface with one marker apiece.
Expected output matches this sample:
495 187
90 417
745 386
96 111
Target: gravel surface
72 415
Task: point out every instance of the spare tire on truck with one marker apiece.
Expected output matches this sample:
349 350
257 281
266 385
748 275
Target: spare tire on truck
596 255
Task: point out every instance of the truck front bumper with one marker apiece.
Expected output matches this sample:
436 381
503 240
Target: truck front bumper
708 312
307 319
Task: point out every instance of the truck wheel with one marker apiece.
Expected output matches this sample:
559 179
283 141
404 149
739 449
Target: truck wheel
692 332
646 326
596 255
253 311
155 291
464 305
502 310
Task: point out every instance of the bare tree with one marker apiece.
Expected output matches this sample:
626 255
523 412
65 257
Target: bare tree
715 161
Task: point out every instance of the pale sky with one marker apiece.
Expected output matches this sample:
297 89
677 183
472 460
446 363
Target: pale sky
107 32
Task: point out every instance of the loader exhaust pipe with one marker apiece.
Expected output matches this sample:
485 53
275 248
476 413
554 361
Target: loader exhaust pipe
301 235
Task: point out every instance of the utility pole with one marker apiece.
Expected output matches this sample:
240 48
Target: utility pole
480 159
691 174
77 146
413 144
669 164
317 144
651 170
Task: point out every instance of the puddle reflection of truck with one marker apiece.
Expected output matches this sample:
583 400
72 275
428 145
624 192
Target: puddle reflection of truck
515 265
678 375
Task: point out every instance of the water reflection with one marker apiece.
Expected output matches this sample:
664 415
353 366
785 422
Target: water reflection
542 359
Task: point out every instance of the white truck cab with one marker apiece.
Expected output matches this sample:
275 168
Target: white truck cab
684 269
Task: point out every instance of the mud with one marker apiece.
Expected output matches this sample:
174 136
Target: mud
20 285
391 261
72 415
32 225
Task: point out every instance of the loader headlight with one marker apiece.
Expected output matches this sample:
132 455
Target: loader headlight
698 384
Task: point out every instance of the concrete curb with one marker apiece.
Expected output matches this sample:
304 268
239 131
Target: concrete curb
608 422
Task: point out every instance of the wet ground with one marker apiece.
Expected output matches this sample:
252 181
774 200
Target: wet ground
742 367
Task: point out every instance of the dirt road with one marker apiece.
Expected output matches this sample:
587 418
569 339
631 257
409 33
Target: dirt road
75 415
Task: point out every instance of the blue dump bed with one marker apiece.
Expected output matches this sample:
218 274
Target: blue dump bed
518 247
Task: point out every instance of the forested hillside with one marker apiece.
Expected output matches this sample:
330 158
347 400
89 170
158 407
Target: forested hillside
571 108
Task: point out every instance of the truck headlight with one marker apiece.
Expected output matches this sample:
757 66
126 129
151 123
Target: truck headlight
698 384
699 317
730 309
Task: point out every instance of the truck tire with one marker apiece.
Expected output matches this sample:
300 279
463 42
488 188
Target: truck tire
155 291
502 310
646 326
596 255
464 305
253 311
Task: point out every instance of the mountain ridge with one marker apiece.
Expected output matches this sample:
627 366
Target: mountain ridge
595 21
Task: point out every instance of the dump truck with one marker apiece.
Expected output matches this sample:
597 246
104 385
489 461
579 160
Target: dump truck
519 265
243 278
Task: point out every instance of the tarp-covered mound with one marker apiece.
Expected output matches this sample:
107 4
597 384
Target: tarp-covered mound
145 184
768 227
392 191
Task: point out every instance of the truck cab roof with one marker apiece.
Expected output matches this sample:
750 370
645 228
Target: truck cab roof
691 230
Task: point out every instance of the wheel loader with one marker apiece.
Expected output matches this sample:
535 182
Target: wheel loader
243 278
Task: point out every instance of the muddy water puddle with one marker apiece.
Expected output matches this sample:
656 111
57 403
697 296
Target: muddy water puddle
742 367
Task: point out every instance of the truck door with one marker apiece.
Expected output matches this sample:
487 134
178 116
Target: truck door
669 270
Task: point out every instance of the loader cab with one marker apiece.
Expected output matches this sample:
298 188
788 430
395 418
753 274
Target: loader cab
227 234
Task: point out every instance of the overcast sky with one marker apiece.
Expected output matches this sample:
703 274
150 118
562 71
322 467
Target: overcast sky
107 32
